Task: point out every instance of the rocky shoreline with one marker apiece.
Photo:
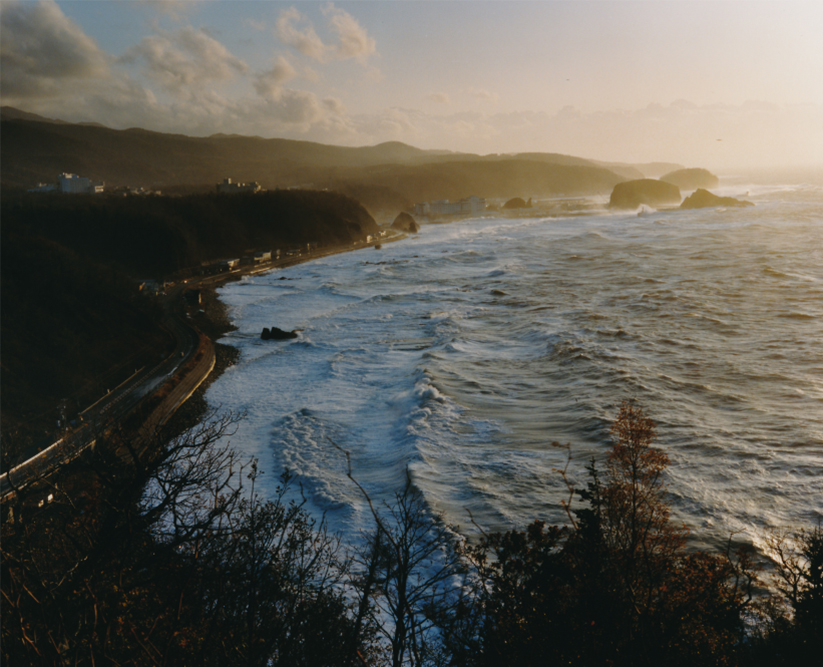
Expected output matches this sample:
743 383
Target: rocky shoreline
213 320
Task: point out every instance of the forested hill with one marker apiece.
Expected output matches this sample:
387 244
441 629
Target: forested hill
74 323
37 149
385 178
71 330
152 237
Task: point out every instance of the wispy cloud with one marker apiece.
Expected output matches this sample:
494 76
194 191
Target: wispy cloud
303 38
334 105
186 80
185 60
438 98
352 40
295 107
480 94
269 84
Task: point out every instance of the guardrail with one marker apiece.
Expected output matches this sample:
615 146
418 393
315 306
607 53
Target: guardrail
180 383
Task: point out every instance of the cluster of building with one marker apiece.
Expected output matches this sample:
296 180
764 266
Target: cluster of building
129 191
468 206
227 187
72 184
226 265
375 237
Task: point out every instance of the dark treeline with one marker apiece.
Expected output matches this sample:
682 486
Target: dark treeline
71 329
151 237
74 324
176 560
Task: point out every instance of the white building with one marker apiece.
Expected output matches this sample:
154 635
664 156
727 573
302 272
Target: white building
472 205
79 185
262 256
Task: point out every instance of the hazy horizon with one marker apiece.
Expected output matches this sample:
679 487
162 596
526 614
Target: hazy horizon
724 84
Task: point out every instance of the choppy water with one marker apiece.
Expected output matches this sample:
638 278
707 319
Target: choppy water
463 353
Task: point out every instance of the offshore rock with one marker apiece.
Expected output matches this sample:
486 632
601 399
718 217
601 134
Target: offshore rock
277 334
405 223
704 199
649 191
518 202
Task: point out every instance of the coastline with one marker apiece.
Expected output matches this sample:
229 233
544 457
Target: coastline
213 320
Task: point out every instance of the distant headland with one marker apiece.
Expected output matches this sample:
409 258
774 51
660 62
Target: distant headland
386 178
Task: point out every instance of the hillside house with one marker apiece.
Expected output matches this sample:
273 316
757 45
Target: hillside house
227 187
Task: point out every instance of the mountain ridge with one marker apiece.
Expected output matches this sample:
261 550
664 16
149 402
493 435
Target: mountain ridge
386 177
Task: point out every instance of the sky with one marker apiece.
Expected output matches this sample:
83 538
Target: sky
722 84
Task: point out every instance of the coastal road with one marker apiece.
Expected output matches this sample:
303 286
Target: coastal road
179 375
121 401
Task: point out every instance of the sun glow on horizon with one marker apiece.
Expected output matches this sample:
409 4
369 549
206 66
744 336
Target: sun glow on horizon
720 84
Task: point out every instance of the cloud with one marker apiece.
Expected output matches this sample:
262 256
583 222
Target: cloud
43 53
334 105
173 8
310 74
296 107
185 60
353 42
352 39
438 98
480 94
268 84
50 67
304 40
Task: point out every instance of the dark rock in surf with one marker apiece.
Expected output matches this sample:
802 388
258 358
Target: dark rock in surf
704 199
405 223
649 191
277 334
518 202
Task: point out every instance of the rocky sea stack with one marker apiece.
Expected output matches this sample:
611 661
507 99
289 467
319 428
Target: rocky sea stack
704 199
405 223
631 194
518 202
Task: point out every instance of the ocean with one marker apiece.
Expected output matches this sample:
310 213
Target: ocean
483 356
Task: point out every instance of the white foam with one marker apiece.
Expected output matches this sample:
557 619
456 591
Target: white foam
412 363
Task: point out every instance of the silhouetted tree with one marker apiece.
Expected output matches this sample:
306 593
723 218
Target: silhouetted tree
617 586
167 558
790 629
407 582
